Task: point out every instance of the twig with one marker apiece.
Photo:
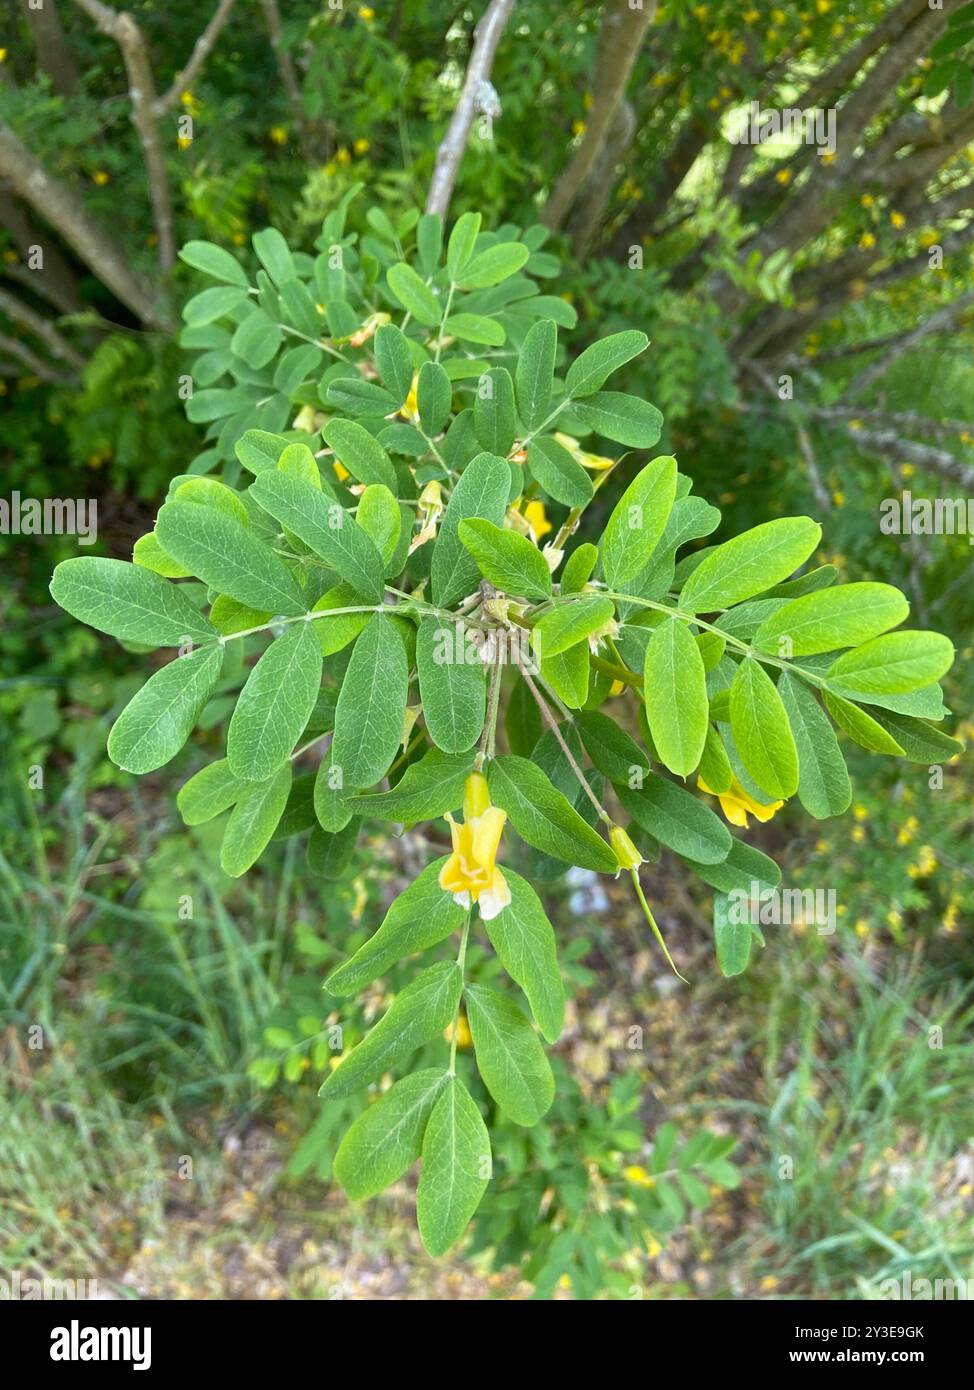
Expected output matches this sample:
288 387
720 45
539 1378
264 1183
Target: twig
183 81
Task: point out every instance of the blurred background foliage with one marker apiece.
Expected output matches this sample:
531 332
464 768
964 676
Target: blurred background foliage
796 1132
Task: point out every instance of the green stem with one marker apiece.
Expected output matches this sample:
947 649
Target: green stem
461 962
570 758
652 922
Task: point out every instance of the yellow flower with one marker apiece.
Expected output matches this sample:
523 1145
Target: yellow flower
736 803
867 241
578 127
184 141
897 219
783 176
471 873
867 200
360 146
537 519
278 134
838 498
410 406
100 177
367 13
3 55
827 157
860 812
343 156
769 1283
639 1176
463 1032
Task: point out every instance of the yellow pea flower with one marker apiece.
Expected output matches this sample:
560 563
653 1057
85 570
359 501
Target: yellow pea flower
410 406
278 134
464 1038
100 177
736 803
471 873
537 518
867 241
897 219
360 146
639 1176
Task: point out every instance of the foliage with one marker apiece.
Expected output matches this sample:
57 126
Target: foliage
388 544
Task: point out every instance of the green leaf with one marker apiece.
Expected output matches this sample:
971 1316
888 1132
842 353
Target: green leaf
275 704
380 518
227 555
678 819
832 618
510 1057
422 916
456 1168
371 705
386 1140
159 719
762 734
510 561
452 687
208 793
750 563
429 241
148 553
330 855
475 328
335 633
210 305
490 267
524 940
274 255
535 372
561 476
253 821
463 238
417 1015
426 789
229 617
434 394
481 491
675 693
623 418
824 788
613 752
330 531
357 396
861 727
414 294
257 339
732 939
891 665
743 867
215 262
394 361
330 808
920 741
543 817
568 674
638 521
360 452
589 372
257 450
493 411
570 623
715 768
579 568
127 602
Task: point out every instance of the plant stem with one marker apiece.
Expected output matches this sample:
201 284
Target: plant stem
461 961
652 922
569 755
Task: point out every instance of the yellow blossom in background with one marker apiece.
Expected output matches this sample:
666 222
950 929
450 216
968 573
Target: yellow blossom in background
638 1176
278 134
867 241
100 177
862 927
783 176
366 13
3 55
897 219
860 812
360 146
838 498
343 157
950 917
737 804
578 127
827 157
184 141
928 239
471 873
768 1284
867 200
908 830
858 834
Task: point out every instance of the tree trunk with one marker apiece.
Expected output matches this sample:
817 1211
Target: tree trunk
54 57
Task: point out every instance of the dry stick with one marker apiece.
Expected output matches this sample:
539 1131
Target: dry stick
201 51
454 142
142 93
285 68
13 347
569 755
60 206
42 328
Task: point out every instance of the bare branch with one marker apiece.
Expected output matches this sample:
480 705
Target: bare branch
621 35
946 317
184 80
62 208
54 57
454 142
53 279
123 29
42 328
289 78
13 347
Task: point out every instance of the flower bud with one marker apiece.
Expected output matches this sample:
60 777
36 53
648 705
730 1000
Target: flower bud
626 853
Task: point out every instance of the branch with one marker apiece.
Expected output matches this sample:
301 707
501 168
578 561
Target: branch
597 191
53 54
42 328
890 443
448 156
943 318
285 68
127 34
621 35
62 208
13 347
184 80
53 280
